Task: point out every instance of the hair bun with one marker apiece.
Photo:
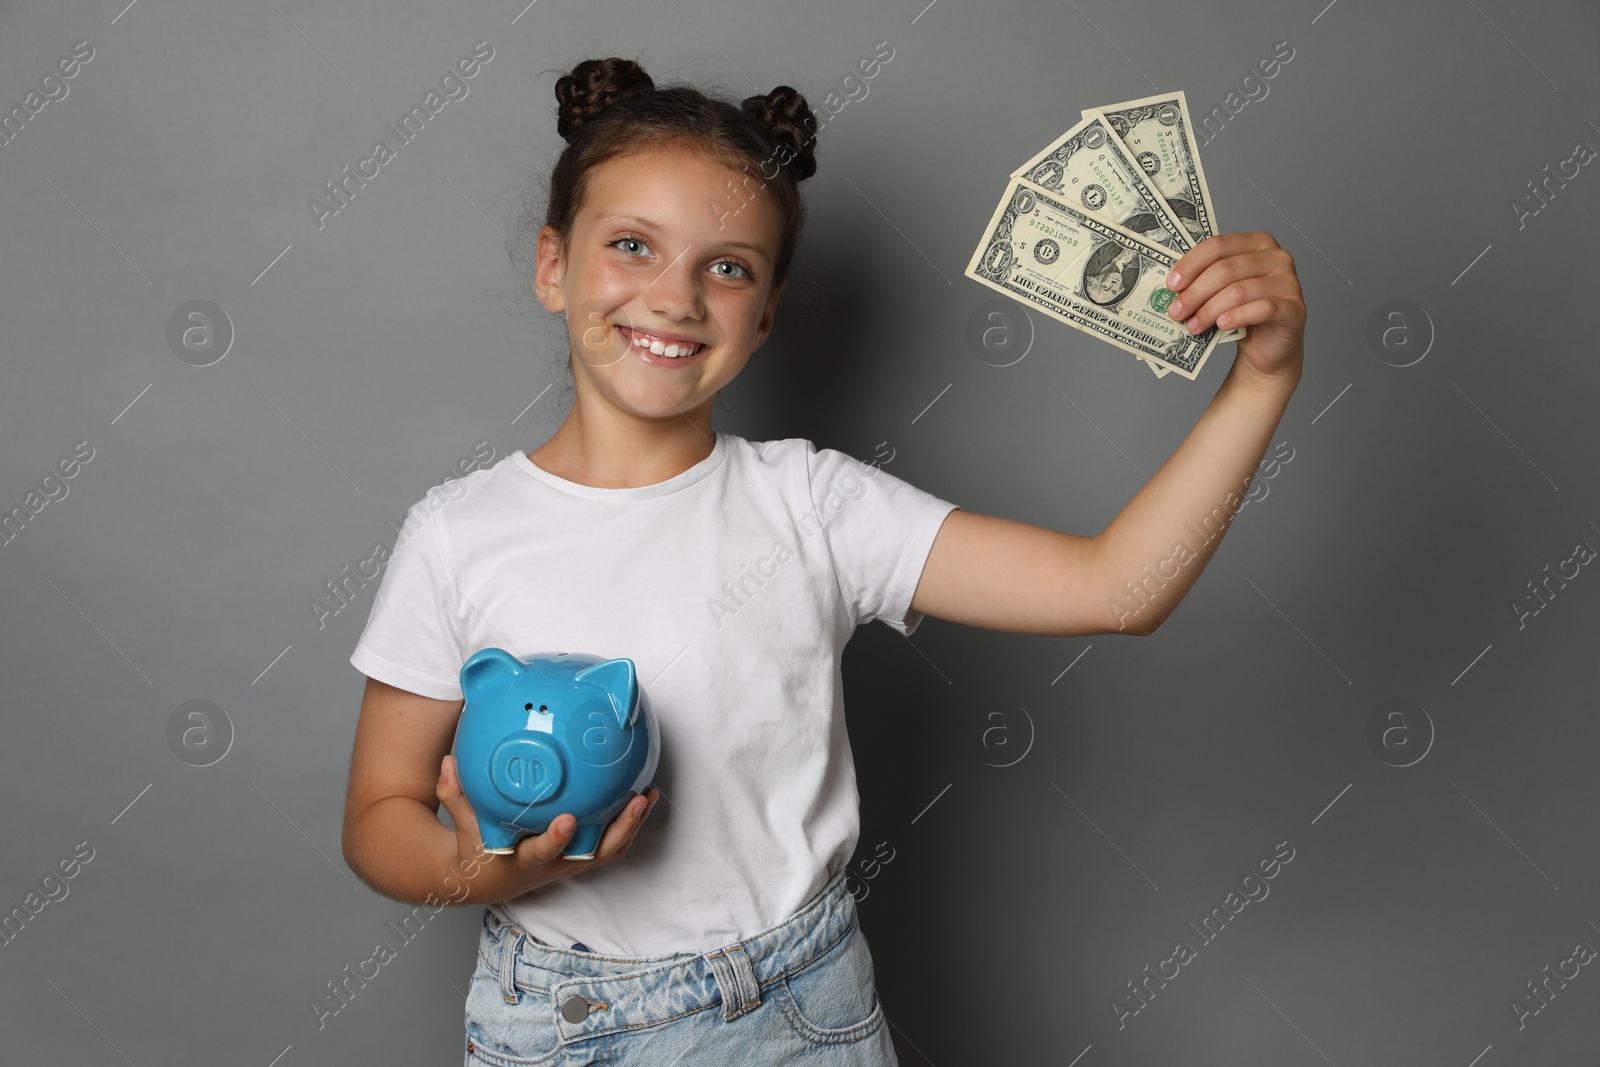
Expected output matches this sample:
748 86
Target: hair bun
591 87
791 125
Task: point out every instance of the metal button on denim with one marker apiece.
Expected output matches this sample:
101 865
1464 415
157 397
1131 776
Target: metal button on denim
574 1009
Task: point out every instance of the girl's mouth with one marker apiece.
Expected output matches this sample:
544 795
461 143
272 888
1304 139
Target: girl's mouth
653 350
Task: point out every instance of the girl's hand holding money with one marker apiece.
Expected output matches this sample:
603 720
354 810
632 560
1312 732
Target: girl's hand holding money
1244 279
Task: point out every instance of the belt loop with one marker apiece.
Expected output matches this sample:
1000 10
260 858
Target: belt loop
509 946
736 980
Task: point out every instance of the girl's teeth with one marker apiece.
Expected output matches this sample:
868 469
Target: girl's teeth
673 351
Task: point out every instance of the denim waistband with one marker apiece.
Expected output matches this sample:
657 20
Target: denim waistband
592 993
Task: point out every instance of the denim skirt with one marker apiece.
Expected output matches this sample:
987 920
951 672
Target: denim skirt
801 992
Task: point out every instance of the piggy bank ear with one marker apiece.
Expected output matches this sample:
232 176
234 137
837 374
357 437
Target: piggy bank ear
488 673
620 682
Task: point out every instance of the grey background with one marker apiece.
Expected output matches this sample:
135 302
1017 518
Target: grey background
1142 783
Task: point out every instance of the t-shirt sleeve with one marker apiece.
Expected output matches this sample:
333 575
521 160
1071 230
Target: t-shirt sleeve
880 529
414 635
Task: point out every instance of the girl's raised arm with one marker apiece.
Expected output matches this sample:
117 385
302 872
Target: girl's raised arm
1003 575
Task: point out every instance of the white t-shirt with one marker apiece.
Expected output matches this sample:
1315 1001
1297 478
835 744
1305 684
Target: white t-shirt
733 587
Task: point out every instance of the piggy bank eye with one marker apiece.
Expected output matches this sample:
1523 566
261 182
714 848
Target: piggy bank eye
544 709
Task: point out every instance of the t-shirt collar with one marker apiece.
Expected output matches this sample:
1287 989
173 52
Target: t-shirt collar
639 492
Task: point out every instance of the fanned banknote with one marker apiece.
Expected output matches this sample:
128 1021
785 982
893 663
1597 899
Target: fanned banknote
1158 133
1088 272
1089 166
1089 227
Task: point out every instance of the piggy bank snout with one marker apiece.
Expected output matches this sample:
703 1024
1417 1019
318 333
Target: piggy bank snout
526 769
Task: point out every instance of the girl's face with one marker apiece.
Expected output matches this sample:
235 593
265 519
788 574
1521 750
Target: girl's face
663 246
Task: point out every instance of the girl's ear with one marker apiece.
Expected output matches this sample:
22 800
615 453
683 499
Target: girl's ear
549 271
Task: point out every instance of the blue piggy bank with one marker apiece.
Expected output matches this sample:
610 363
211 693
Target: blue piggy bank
556 732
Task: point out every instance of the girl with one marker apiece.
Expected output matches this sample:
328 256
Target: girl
732 573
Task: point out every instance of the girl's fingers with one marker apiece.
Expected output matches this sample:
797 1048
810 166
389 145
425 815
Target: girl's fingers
625 827
1194 262
1248 314
1220 274
622 829
546 847
1235 295
619 834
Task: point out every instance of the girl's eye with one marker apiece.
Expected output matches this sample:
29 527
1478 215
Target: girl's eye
749 275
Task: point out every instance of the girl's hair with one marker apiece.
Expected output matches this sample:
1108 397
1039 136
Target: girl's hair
611 107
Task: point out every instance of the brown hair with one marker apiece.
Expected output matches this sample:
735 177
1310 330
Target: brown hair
611 107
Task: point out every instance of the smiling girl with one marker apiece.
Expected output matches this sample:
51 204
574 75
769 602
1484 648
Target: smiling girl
732 572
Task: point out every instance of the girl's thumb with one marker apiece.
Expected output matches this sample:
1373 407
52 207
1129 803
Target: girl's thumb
448 788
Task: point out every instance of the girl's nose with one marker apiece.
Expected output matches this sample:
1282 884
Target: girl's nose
674 293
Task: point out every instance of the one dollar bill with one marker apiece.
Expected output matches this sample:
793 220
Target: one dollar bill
1088 166
1158 133
1089 273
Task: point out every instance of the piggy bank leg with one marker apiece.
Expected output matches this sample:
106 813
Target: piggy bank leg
584 842
498 838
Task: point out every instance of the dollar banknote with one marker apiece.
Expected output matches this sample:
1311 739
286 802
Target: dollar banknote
1158 133
1088 166
1088 272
